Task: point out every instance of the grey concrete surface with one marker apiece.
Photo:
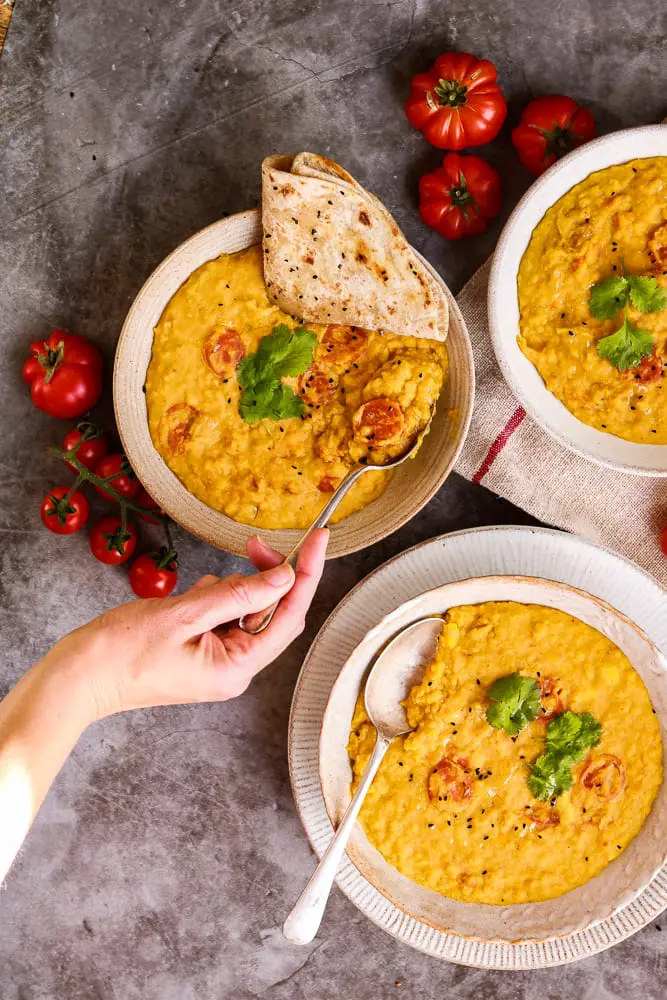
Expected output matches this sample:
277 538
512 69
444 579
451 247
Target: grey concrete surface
169 851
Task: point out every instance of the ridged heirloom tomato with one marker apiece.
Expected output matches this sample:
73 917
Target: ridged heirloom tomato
457 103
64 373
549 128
460 197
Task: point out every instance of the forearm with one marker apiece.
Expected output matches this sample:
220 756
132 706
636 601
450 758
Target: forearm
41 719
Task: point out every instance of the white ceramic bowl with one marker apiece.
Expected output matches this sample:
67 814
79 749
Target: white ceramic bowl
411 486
503 302
620 882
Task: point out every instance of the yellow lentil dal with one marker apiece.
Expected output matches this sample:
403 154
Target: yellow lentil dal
612 222
279 474
478 834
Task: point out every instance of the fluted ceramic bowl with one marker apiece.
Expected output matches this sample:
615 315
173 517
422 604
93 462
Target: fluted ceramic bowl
411 486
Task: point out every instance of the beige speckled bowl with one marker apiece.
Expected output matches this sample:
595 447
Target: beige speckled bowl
615 887
411 486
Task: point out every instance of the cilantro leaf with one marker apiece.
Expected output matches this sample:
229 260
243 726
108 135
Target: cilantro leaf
573 734
281 354
625 348
568 738
515 701
550 775
608 297
646 294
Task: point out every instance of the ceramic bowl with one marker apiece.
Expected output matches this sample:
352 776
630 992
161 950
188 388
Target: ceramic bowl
411 486
503 302
616 886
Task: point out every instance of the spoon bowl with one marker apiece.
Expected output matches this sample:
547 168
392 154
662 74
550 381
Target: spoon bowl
396 668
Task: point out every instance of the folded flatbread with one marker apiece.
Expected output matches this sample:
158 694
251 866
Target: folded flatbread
334 254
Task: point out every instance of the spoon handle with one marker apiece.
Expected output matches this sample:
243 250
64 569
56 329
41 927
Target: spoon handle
255 623
304 920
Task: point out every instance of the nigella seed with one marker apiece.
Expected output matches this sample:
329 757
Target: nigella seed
431 825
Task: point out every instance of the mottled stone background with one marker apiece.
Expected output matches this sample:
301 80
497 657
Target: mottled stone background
169 851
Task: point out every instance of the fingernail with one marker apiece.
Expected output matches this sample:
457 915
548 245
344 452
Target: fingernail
260 541
278 576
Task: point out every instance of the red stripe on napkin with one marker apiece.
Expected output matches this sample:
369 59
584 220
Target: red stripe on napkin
500 442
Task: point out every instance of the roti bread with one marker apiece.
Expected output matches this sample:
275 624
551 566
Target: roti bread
334 254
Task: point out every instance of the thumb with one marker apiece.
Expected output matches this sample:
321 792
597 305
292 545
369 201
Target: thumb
205 608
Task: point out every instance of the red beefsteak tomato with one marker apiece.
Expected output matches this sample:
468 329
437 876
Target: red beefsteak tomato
64 373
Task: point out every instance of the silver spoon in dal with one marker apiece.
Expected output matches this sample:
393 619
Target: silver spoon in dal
255 623
398 667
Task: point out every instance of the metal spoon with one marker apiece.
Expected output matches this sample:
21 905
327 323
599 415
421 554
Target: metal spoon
399 666
255 623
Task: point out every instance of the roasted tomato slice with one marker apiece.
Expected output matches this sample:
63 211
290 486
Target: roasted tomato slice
605 775
316 386
380 421
649 369
222 351
328 484
543 816
657 248
550 693
343 345
450 779
176 426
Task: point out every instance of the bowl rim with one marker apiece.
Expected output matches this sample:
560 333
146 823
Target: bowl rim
503 273
459 428
491 578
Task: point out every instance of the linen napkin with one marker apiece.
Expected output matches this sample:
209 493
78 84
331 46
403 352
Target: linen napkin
509 454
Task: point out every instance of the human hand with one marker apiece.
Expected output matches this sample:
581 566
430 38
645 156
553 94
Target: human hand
175 650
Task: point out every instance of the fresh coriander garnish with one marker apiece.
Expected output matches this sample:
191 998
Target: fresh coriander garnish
629 344
569 736
281 354
608 297
625 348
515 701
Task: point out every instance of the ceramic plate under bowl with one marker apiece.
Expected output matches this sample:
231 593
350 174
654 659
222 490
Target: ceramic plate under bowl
489 937
503 302
412 484
615 887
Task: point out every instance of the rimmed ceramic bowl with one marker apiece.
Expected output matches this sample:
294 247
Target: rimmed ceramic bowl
616 886
412 484
503 302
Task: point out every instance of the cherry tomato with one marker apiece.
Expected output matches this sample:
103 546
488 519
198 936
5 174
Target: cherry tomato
457 103
144 499
154 574
124 482
379 421
64 373
90 443
605 775
328 484
342 345
112 544
550 695
549 128
450 778
663 540
222 351
316 386
64 516
542 816
176 427
460 197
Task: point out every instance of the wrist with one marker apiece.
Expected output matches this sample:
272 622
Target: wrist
63 681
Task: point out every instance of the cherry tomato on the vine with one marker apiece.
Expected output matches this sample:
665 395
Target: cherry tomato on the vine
64 514
124 480
112 544
64 373
154 574
144 499
90 444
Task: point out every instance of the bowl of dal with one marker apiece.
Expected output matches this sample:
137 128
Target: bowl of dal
452 831
593 382
177 403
